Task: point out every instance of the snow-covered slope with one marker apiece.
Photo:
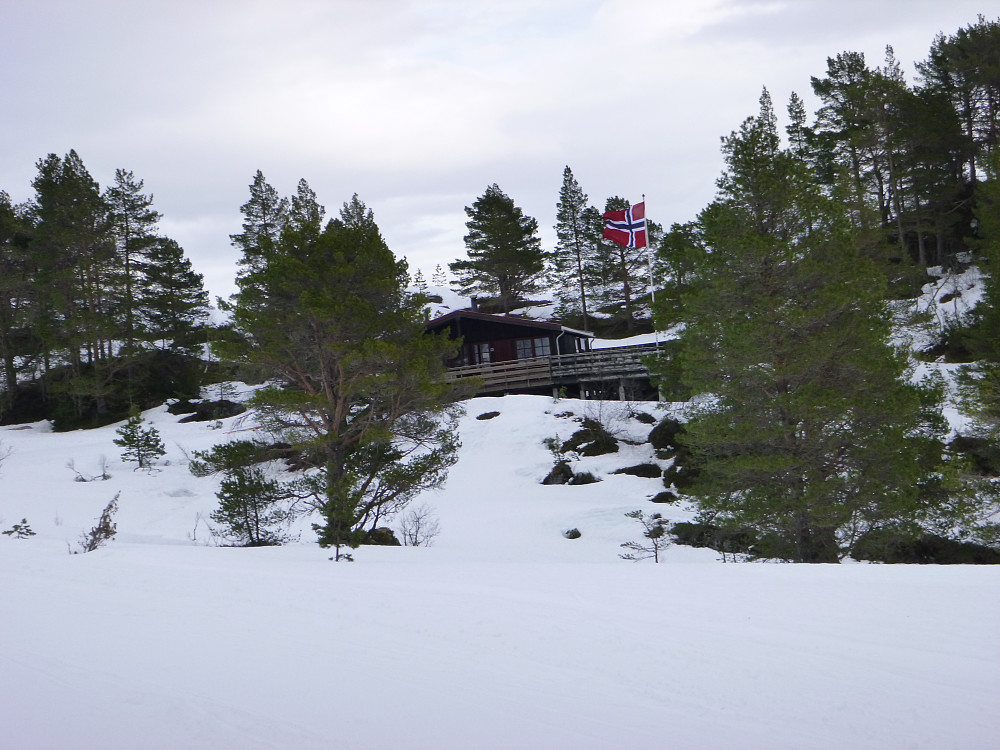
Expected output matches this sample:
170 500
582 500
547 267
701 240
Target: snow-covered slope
502 634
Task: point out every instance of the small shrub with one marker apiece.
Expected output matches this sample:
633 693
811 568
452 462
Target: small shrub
654 533
419 527
592 440
584 477
664 435
643 417
664 497
19 530
572 534
681 476
896 546
381 537
650 471
983 454
561 474
209 411
105 529
488 415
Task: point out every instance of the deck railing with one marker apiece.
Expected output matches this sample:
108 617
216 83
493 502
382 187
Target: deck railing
599 365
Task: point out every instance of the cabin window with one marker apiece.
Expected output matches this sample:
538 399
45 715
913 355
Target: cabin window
537 347
483 353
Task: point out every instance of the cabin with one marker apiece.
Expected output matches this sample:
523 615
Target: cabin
488 339
510 354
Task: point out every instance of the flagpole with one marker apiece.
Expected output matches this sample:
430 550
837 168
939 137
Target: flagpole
652 284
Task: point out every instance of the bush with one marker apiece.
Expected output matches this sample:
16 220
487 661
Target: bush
206 411
650 471
381 537
715 537
893 545
664 435
584 477
664 497
592 440
561 474
983 454
105 529
681 476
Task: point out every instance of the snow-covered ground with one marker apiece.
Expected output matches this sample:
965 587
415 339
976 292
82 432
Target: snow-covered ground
503 634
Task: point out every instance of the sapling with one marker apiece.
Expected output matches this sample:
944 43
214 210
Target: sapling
142 445
654 535
19 530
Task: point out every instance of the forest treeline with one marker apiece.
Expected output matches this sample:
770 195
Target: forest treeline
99 311
810 437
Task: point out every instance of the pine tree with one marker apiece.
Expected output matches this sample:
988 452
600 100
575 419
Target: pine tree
249 507
364 390
577 228
133 223
17 299
809 432
74 253
306 214
141 444
264 216
439 278
173 299
505 258
623 272
354 214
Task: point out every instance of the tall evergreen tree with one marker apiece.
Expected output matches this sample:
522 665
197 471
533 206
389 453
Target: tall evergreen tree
808 430
16 298
306 214
578 228
173 299
354 214
264 216
505 257
133 223
965 68
363 390
623 272
74 252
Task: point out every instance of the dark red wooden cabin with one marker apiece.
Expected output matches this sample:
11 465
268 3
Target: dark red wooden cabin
489 338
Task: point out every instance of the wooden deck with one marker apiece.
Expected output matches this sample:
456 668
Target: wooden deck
598 366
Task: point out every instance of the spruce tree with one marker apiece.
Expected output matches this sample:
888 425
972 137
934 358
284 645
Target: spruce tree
505 257
807 430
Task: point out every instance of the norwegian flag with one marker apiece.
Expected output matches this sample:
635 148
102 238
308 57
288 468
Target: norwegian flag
626 227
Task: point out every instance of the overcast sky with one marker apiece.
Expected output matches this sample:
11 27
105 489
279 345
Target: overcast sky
416 105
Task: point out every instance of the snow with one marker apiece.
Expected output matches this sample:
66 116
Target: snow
502 634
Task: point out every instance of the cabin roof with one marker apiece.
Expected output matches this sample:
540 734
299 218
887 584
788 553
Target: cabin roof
545 325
